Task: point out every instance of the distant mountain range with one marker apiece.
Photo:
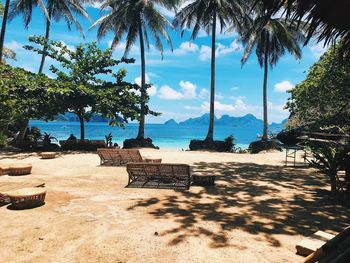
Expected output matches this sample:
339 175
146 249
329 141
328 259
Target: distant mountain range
72 117
248 120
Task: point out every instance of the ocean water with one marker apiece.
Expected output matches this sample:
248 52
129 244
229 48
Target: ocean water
164 136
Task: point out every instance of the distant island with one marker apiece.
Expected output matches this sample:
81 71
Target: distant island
248 120
72 117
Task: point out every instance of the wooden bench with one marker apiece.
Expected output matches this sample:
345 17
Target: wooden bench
337 249
159 175
117 157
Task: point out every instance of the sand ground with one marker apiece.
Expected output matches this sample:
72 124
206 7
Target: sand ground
257 212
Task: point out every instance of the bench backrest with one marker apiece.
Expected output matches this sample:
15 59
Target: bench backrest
159 170
123 156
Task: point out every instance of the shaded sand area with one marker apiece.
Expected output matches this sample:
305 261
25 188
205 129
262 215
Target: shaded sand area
257 212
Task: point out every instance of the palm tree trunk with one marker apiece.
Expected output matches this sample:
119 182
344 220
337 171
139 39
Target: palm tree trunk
210 135
47 35
3 28
266 68
141 132
82 127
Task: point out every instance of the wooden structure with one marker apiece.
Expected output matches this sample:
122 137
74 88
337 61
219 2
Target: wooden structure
4 169
310 244
334 250
20 169
27 197
159 175
118 157
152 160
5 187
204 177
48 155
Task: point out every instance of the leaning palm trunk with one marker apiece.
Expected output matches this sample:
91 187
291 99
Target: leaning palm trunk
47 35
266 67
141 132
3 28
210 135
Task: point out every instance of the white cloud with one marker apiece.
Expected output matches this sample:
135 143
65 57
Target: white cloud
235 88
203 94
283 86
152 91
218 106
122 45
167 93
317 49
138 80
188 91
205 53
14 45
185 48
221 50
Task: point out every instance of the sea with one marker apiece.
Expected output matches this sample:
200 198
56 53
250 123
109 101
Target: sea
164 136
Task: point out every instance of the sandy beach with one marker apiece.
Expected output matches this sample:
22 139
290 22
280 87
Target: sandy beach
257 212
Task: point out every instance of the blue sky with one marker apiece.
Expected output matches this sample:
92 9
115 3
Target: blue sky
181 80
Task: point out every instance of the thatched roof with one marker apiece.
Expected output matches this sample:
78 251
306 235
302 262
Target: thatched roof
328 19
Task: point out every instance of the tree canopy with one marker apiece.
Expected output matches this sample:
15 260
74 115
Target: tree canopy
323 98
25 95
87 93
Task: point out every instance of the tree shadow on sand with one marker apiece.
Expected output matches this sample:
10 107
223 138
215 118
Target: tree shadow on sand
262 200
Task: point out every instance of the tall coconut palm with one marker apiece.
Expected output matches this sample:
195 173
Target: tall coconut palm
207 15
136 19
271 37
56 10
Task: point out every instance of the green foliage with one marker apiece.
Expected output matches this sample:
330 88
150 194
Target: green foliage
87 93
322 100
24 96
1 9
48 138
3 138
109 139
328 160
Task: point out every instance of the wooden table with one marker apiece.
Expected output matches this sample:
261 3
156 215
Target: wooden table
205 177
27 197
48 155
152 160
6 187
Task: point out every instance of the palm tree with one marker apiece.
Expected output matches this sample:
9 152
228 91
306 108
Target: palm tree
207 14
4 13
57 10
271 37
136 19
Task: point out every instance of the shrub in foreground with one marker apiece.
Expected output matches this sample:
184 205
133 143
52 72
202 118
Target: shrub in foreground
217 146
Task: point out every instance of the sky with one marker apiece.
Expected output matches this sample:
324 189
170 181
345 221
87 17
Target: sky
181 80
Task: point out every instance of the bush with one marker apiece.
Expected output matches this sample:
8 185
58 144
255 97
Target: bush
85 145
262 145
217 146
3 139
139 143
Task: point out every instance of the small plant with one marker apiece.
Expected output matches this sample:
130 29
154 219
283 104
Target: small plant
328 160
3 139
230 143
109 138
47 138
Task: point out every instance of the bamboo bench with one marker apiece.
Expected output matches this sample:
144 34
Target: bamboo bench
159 175
117 157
